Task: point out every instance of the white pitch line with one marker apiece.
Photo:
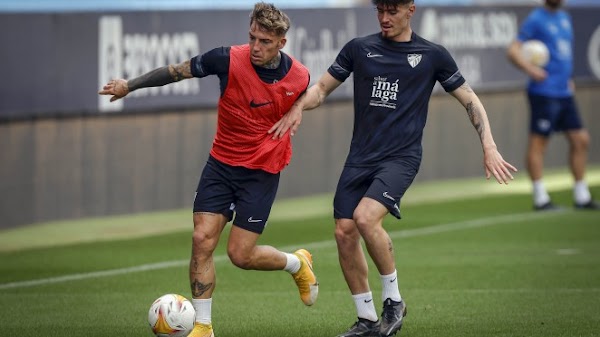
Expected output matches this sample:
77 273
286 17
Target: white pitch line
436 229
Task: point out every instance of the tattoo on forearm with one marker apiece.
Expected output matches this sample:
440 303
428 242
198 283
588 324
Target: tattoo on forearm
199 288
180 71
155 78
476 119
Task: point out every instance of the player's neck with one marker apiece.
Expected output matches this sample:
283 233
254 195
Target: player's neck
274 63
404 36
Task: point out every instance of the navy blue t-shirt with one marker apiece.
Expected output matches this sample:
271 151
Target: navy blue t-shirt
393 82
216 62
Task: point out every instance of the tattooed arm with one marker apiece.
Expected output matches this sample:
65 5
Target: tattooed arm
493 162
477 115
119 88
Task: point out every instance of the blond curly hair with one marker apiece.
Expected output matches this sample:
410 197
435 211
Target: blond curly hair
270 18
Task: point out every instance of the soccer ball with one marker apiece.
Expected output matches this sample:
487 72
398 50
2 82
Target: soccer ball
171 315
536 52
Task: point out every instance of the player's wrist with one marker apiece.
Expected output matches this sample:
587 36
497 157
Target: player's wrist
489 147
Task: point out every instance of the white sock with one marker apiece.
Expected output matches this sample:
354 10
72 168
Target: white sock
540 196
389 286
203 309
293 263
365 307
581 192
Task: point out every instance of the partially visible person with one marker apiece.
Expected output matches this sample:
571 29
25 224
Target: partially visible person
552 102
259 83
395 71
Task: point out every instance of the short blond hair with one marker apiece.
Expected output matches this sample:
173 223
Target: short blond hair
270 18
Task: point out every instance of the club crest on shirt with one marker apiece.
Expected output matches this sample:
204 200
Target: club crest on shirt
414 59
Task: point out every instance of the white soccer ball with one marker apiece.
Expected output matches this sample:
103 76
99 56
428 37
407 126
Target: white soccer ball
171 315
535 52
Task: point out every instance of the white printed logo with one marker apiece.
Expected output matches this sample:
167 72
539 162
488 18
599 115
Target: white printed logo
123 55
254 220
110 53
414 59
544 124
289 93
373 55
474 30
384 93
386 195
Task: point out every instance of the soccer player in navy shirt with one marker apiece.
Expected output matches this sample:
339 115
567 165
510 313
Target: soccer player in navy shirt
259 83
395 71
551 101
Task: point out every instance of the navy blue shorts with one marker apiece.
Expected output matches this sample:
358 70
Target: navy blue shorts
225 189
550 115
386 183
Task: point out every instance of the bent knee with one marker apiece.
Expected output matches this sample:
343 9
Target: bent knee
365 224
239 259
346 232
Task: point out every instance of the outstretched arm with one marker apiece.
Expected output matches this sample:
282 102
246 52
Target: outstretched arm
312 98
493 162
119 88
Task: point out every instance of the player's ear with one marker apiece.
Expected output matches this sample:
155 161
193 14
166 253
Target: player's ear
282 43
411 10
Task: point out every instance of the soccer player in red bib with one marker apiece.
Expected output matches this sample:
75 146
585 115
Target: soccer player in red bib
395 71
259 83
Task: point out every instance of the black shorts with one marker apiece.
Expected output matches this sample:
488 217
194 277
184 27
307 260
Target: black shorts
225 189
386 183
550 115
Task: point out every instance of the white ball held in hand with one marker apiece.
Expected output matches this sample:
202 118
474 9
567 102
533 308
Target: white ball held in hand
535 52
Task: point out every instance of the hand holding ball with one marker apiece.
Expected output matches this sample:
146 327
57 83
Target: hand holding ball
535 52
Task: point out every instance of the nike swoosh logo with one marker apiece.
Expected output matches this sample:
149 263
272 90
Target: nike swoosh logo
373 55
393 279
367 301
386 195
253 220
258 105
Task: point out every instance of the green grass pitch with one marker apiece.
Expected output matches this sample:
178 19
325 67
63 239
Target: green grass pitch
482 264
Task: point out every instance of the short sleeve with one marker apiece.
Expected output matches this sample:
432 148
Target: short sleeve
213 62
447 72
344 62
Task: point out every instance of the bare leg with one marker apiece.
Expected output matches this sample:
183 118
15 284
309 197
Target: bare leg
351 256
579 141
245 254
207 230
368 217
535 156
367 222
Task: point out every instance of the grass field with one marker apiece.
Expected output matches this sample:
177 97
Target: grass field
480 264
